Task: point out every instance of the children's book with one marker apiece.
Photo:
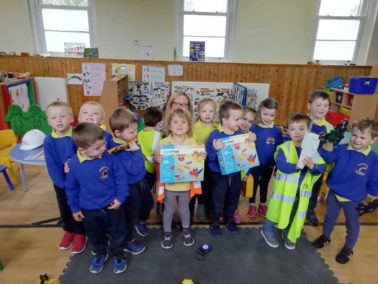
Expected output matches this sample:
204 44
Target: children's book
237 155
182 163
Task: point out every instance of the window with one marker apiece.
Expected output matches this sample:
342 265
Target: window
208 21
340 24
57 22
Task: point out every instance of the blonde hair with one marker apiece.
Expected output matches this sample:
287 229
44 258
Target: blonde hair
206 101
168 108
182 113
94 103
59 104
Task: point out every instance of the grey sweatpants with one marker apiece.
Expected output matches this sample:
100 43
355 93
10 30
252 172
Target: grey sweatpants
172 199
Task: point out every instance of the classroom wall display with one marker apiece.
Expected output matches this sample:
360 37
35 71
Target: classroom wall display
246 94
148 94
94 75
50 89
153 73
119 69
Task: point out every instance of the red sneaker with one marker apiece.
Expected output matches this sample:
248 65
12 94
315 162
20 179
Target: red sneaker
79 243
66 240
237 218
262 209
252 211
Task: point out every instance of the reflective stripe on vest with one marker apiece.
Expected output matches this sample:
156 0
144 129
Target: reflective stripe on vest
284 192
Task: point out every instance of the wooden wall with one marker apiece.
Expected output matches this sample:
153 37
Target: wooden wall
289 84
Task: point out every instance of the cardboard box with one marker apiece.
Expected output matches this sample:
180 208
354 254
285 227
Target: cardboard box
237 154
182 163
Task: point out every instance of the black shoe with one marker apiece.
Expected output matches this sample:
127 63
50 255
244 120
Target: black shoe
321 241
343 255
312 220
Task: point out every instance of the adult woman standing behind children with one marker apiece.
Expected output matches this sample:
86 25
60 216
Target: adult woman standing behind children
268 137
175 101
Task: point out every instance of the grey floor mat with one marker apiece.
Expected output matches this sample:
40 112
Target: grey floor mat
242 258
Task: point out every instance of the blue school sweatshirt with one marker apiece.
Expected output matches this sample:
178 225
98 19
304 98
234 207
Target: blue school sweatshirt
93 184
58 150
354 173
108 139
132 162
267 140
212 158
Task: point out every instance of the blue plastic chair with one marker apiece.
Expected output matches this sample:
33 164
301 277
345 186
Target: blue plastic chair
3 169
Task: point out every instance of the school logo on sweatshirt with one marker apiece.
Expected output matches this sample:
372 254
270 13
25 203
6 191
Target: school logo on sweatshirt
104 173
270 140
361 169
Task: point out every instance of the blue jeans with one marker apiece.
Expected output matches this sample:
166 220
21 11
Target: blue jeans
352 221
269 228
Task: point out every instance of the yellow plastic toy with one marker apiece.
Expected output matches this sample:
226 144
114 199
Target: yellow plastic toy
7 141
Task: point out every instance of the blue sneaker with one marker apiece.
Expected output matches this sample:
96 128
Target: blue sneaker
134 247
119 265
216 231
98 263
270 239
142 230
232 228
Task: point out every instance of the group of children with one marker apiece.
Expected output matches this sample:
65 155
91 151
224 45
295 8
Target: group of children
104 181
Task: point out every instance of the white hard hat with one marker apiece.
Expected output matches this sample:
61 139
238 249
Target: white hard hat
32 139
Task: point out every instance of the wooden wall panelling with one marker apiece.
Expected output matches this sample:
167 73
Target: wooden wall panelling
289 84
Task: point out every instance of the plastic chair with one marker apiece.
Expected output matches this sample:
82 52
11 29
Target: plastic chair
7 141
3 169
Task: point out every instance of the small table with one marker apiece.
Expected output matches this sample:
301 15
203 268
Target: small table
33 157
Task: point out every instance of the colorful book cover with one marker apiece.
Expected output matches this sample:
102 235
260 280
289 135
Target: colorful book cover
237 155
197 51
182 163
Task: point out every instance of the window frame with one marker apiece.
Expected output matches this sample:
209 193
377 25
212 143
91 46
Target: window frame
35 10
361 29
231 16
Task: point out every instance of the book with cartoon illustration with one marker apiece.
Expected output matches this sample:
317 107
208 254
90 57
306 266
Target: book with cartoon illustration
182 163
237 155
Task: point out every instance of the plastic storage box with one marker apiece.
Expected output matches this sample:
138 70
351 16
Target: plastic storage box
335 117
363 85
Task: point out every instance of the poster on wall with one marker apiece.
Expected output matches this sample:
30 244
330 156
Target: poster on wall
74 49
119 69
19 96
153 73
196 51
94 75
145 94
